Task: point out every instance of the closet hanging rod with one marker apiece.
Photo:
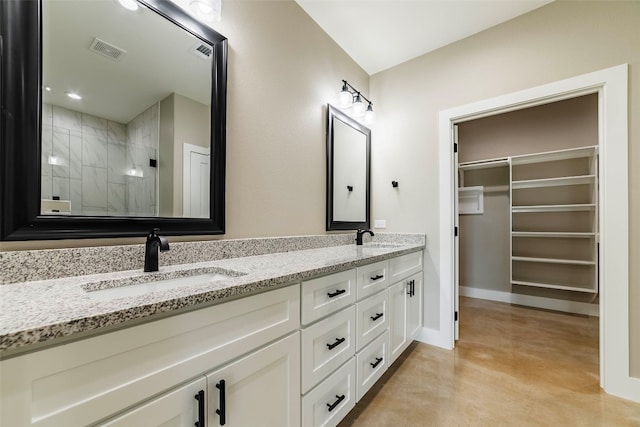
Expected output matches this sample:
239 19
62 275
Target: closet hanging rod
484 164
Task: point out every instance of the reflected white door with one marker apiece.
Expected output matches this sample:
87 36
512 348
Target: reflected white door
196 192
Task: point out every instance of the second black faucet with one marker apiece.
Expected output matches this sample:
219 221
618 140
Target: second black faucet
359 235
154 242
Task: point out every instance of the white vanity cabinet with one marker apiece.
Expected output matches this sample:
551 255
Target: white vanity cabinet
94 379
300 355
386 312
405 306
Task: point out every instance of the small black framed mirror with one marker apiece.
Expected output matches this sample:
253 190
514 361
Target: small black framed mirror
348 172
48 190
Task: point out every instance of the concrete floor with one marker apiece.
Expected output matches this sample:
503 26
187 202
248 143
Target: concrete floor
513 366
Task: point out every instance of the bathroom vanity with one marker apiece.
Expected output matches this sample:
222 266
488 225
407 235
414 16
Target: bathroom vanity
280 339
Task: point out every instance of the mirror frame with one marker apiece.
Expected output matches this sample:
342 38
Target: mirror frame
332 224
20 136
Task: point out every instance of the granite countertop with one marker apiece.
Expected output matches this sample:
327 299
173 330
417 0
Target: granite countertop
41 312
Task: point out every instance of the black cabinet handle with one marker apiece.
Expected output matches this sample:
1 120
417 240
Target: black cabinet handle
201 416
377 277
335 344
222 412
336 293
333 405
377 316
376 363
411 292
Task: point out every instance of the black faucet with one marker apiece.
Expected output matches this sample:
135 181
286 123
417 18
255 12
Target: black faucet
359 235
154 242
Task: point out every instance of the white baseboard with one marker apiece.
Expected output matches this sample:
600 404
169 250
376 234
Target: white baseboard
433 337
532 301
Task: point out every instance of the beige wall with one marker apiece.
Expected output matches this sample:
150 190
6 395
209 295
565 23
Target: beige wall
557 41
283 70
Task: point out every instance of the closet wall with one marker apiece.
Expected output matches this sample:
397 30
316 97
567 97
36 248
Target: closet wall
485 239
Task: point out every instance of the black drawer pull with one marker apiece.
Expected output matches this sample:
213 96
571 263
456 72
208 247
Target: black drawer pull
200 398
377 277
377 362
336 293
333 405
335 344
223 410
377 316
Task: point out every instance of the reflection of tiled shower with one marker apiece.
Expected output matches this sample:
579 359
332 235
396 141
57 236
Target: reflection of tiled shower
93 161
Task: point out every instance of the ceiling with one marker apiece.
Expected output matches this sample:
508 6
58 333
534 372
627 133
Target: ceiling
160 59
380 34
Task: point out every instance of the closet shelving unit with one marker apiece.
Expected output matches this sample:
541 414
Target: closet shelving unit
554 216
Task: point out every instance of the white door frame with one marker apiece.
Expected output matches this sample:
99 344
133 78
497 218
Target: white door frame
611 86
186 174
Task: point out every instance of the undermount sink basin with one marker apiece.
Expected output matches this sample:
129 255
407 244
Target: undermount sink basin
153 282
381 245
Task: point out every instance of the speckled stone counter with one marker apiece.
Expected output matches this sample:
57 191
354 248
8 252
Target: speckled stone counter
43 311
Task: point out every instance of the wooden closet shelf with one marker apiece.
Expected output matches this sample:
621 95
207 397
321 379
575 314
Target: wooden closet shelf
553 182
552 260
564 287
554 208
551 156
557 234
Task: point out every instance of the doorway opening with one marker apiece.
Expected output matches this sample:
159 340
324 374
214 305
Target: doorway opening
611 86
528 231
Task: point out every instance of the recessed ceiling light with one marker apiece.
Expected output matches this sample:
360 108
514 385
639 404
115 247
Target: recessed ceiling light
129 4
73 95
47 88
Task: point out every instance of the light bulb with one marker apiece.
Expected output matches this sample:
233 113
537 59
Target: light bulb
129 4
206 10
73 95
370 115
345 98
358 107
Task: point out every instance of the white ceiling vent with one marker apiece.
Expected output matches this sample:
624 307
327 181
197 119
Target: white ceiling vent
202 50
105 49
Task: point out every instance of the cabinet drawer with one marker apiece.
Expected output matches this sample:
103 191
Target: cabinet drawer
327 345
327 294
85 381
372 278
405 265
371 363
332 399
372 318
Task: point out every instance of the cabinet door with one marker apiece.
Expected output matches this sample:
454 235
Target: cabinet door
397 318
261 389
414 306
177 408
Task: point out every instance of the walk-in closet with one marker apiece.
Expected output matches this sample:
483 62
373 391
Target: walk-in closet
528 206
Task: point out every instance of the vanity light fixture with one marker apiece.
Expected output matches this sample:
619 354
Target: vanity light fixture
351 98
73 95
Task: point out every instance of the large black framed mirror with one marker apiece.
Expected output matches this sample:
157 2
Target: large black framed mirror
111 182
348 172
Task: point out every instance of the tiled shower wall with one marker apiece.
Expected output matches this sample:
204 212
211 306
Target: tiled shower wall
95 155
